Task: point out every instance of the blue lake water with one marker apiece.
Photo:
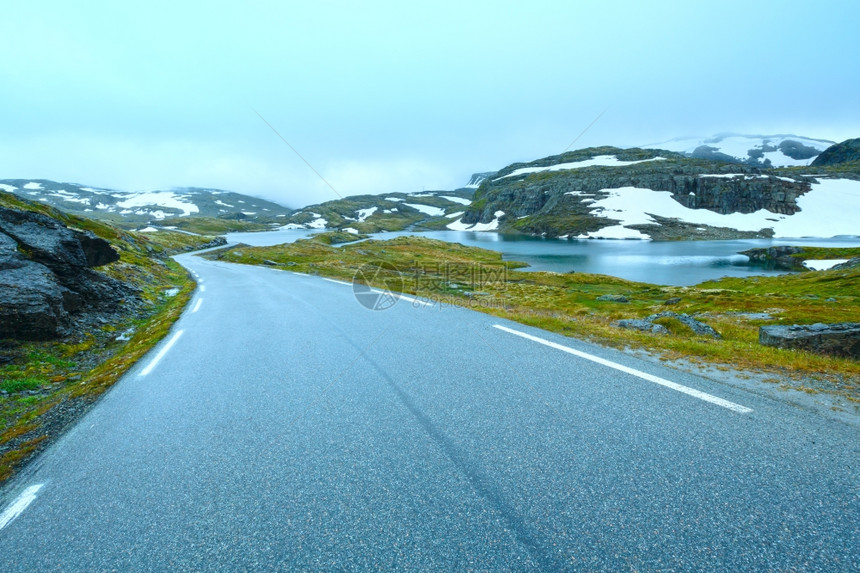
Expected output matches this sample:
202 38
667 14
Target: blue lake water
679 263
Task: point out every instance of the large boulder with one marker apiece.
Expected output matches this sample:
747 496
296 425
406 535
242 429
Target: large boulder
649 325
46 276
841 339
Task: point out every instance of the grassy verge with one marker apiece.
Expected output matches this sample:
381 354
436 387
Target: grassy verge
571 303
46 386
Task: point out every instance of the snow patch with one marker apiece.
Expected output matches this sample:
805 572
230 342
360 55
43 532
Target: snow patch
148 230
363 214
739 146
600 160
823 264
426 209
351 230
455 215
460 200
32 185
9 188
830 208
166 199
458 225
318 223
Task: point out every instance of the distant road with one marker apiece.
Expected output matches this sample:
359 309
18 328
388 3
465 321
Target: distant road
283 426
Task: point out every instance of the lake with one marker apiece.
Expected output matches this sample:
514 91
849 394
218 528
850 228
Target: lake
678 263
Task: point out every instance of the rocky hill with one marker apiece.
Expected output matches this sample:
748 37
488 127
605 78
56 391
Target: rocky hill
846 152
389 212
131 209
608 192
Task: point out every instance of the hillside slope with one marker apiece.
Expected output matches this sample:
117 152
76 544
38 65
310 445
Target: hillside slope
390 212
607 192
132 209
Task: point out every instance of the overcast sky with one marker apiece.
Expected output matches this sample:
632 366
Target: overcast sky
400 96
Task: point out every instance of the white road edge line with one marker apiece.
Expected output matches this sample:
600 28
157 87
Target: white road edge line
197 306
406 298
416 301
161 354
632 371
336 281
202 288
18 506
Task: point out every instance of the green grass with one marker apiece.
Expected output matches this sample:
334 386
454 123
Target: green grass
213 225
15 385
337 237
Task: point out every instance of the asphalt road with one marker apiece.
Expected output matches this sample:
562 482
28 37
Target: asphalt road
290 428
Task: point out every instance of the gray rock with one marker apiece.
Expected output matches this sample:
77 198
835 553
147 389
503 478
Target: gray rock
46 276
849 264
696 326
643 325
776 257
613 298
672 301
840 339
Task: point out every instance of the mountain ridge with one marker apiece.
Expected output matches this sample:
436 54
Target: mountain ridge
139 208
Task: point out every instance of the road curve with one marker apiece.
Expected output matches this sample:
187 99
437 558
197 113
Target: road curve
282 426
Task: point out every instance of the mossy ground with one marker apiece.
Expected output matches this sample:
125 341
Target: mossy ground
45 386
567 303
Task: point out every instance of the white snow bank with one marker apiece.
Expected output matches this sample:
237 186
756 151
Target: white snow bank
601 160
823 264
351 230
460 200
455 215
9 188
426 209
70 197
318 223
166 199
148 230
32 185
363 214
393 199
458 225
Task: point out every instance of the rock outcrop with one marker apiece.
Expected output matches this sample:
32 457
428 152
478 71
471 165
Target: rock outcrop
779 257
559 202
649 325
845 152
47 281
841 339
